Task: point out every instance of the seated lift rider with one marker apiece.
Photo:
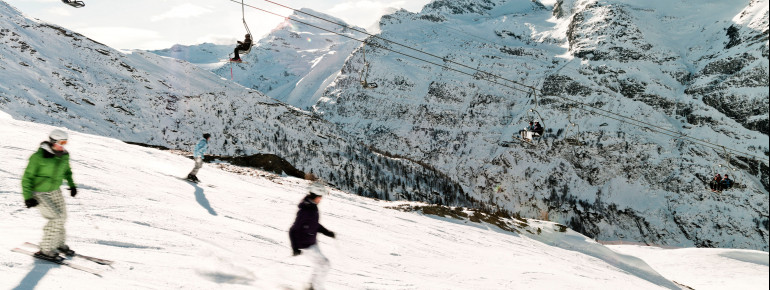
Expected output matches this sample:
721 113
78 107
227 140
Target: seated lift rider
244 46
532 131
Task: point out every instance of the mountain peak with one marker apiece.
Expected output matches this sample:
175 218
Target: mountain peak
480 7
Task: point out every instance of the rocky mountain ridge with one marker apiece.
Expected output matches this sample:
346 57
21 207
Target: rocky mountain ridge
617 182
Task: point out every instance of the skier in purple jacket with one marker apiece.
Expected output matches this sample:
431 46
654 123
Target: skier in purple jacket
304 230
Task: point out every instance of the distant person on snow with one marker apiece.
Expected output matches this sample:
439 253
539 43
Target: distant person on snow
716 183
242 46
727 183
303 234
198 153
40 187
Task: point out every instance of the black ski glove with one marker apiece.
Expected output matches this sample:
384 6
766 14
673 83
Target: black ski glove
32 202
326 232
73 191
296 252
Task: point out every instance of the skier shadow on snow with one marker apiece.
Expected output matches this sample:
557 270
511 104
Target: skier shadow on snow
225 278
35 275
202 200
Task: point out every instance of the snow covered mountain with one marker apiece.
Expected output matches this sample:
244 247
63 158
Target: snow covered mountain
296 61
432 134
230 233
207 55
293 64
699 69
55 76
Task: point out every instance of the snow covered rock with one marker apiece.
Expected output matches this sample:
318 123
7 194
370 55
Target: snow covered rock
675 65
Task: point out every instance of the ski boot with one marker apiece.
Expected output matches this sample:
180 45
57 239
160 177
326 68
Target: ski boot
64 249
48 257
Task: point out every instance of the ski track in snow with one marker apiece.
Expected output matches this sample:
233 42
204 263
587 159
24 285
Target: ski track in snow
162 236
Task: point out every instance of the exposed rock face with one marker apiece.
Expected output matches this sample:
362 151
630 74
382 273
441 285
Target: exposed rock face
700 71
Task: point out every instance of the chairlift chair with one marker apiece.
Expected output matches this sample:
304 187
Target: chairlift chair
531 113
573 129
572 135
737 179
74 3
364 74
248 31
734 172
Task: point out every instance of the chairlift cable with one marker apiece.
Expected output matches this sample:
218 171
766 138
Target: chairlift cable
388 49
399 44
581 105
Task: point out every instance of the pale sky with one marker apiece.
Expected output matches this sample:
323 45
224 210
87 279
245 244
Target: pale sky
157 24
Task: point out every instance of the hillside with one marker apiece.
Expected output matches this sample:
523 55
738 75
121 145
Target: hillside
230 233
695 69
55 76
294 63
207 55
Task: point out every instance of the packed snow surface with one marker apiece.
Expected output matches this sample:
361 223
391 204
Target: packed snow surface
230 232
706 268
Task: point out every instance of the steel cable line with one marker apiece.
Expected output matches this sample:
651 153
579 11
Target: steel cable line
581 105
400 44
391 50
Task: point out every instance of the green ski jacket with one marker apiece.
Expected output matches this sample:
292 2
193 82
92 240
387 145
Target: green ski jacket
45 174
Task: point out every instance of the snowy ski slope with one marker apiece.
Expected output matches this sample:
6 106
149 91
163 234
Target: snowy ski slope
231 233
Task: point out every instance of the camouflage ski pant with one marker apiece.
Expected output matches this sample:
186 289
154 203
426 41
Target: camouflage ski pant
198 165
52 207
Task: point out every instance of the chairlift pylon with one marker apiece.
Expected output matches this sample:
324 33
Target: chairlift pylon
74 3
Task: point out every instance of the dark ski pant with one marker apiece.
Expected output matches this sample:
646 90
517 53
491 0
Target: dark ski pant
715 185
52 207
237 49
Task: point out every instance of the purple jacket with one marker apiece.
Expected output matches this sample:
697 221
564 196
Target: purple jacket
303 232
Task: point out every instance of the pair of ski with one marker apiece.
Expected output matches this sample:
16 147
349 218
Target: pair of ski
65 262
235 61
197 182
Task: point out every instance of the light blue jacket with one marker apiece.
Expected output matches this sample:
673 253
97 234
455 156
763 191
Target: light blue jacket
201 148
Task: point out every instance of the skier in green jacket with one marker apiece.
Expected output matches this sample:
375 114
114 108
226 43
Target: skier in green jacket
40 185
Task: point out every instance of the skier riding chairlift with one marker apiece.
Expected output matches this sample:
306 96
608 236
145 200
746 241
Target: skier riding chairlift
536 130
74 3
720 183
532 131
244 47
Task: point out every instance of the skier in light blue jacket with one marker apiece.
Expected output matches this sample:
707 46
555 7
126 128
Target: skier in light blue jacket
200 149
